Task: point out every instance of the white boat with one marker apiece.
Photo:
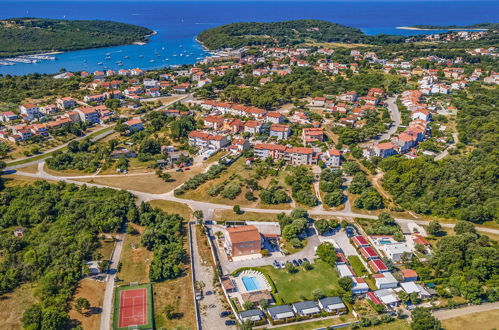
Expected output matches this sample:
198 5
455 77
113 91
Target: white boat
151 61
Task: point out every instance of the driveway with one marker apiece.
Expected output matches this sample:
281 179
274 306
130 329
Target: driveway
209 307
107 303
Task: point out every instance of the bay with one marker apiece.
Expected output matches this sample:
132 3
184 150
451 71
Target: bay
178 22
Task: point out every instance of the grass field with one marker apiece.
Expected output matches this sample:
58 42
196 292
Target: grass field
116 313
33 168
173 207
299 286
12 306
357 266
106 249
135 258
475 321
14 180
93 291
149 183
318 324
229 215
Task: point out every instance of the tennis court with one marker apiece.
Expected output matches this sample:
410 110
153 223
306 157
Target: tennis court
133 307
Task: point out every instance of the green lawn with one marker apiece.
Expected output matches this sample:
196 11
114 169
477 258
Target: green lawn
357 266
299 286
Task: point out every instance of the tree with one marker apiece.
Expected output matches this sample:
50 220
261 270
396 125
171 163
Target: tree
263 303
434 228
81 304
327 253
290 268
464 227
236 209
198 214
32 317
306 265
322 226
318 294
248 305
398 236
359 183
334 198
370 199
299 213
351 167
386 219
346 283
423 320
290 232
169 311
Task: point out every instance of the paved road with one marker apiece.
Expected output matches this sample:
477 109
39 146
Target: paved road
394 116
447 314
444 153
38 160
107 304
210 306
208 208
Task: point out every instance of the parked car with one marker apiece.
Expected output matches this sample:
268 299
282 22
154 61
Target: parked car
305 259
179 170
230 322
300 262
295 263
276 264
224 313
187 168
283 264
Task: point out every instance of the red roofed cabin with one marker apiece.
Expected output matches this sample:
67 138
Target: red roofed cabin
378 266
242 243
360 241
409 275
368 253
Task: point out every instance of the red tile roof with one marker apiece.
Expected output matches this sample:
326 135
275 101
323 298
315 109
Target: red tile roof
378 265
243 234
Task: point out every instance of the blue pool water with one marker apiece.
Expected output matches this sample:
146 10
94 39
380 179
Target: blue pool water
251 283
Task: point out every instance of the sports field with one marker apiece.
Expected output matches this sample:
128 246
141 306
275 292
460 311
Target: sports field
133 307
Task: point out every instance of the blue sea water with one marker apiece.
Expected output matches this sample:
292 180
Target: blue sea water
178 22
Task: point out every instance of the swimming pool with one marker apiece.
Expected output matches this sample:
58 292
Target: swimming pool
251 283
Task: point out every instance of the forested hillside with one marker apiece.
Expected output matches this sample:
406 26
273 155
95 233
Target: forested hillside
463 186
277 33
20 36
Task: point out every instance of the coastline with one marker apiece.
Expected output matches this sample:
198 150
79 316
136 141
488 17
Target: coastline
411 28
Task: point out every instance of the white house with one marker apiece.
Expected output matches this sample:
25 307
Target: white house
385 280
395 251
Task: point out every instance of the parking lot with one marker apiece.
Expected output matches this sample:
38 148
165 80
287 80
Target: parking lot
229 266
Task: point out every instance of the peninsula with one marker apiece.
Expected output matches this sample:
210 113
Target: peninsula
237 35
22 36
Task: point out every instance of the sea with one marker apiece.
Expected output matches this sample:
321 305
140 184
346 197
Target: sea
177 24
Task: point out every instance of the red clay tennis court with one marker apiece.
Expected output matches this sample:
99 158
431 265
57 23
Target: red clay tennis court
133 307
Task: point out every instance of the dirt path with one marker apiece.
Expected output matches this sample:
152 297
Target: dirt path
447 314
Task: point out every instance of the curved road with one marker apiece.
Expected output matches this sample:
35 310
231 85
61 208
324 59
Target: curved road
208 208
